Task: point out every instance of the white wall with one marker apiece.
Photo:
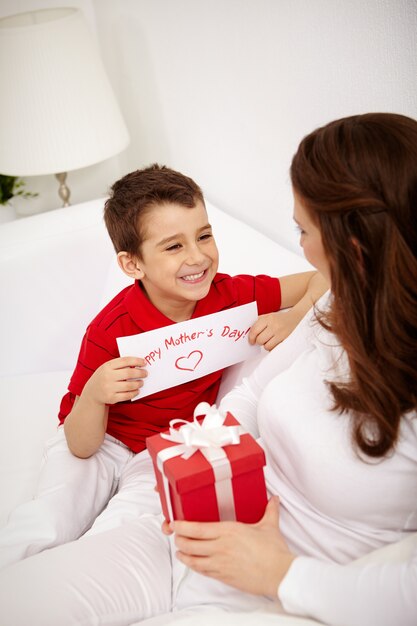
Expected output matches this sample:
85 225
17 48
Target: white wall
225 89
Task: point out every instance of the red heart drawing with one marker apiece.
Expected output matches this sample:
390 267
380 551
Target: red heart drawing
190 362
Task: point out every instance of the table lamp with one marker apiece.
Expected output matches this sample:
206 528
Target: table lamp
57 109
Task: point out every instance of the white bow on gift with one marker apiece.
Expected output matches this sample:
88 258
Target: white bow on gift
209 436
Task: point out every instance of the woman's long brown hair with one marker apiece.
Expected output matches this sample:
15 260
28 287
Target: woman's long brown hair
357 177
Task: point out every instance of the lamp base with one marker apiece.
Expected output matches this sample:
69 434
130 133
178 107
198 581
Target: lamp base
63 191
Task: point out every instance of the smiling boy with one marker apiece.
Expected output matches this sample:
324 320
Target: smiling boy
178 259
160 229
157 221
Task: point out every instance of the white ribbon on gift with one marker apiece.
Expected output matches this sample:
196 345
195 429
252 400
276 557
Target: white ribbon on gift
208 436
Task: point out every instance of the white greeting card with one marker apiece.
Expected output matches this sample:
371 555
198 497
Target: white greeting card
188 350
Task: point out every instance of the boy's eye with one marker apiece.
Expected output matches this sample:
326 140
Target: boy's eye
174 246
206 236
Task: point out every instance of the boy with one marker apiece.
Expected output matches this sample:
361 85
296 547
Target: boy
158 224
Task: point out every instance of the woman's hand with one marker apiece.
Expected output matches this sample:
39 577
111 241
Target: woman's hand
250 557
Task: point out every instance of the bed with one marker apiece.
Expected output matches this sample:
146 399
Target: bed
56 271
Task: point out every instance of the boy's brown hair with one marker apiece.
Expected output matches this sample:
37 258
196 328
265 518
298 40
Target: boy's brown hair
134 195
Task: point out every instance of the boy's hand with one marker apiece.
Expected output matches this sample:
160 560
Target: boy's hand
117 380
270 329
298 291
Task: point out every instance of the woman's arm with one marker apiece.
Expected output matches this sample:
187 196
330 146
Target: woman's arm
256 559
243 400
352 595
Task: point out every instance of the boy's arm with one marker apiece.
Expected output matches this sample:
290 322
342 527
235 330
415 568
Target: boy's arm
298 291
301 291
117 380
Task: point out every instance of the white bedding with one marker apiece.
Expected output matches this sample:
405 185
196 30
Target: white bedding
56 270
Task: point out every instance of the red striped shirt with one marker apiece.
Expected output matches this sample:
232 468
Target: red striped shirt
131 313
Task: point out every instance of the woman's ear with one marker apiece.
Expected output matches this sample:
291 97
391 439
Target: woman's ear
357 250
130 265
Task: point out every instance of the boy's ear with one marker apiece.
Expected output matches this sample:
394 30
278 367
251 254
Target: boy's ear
130 265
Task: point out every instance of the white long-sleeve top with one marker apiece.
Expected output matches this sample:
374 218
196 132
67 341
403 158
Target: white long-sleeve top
336 504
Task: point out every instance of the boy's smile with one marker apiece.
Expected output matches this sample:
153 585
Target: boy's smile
179 258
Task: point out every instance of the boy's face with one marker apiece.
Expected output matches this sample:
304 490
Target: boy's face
179 258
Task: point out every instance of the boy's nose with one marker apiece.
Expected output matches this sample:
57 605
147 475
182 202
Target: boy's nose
195 256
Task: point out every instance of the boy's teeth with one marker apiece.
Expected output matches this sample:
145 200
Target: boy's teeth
193 276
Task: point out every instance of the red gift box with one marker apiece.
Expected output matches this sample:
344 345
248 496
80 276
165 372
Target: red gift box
195 488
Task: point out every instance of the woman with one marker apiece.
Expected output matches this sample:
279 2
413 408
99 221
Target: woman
343 456
335 407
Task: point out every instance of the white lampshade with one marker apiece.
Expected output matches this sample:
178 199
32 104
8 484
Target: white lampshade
57 108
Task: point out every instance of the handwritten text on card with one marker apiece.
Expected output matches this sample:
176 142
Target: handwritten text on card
188 350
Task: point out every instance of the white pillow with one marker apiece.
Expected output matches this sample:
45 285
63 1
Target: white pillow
213 617
30 405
